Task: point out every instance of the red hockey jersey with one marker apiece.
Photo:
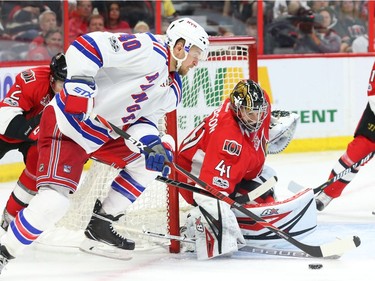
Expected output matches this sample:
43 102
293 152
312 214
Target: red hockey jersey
29 94
221 153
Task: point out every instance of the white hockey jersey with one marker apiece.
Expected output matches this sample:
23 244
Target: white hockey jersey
133 84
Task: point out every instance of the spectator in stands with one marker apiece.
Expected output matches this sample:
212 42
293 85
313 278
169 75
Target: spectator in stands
22 21
282 34
96 23
316 5
140 27
78 23
349 26
114 23
317 36
53 44
47 21
282 8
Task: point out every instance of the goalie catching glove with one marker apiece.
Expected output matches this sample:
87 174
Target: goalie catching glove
282 127
80 92
163 153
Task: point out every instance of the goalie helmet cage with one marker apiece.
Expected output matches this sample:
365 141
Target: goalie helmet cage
160 208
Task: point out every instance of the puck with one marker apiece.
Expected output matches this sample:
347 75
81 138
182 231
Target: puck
315 265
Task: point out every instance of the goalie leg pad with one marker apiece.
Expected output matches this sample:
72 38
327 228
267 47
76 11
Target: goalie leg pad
215 229
296 215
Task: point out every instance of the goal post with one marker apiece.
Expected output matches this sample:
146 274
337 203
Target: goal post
160 208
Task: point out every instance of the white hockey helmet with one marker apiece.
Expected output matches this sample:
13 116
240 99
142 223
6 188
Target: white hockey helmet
191 32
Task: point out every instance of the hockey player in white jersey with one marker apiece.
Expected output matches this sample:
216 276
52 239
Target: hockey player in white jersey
130 80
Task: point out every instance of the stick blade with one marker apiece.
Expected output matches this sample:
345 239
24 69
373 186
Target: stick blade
340 246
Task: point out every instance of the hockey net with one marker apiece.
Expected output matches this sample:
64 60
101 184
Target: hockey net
160 208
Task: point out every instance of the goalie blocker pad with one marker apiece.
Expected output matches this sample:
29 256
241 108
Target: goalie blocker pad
296 216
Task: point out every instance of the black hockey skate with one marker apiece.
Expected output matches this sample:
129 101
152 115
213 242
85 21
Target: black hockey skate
4 257
102 239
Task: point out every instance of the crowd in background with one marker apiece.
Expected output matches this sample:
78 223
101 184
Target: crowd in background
32 30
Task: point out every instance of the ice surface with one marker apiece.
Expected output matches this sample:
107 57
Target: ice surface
346 216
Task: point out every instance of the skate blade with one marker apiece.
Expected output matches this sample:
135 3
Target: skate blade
104 250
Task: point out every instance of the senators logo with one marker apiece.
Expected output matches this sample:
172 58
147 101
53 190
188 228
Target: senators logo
232 147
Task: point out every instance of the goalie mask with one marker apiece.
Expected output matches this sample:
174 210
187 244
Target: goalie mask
191 32
249 104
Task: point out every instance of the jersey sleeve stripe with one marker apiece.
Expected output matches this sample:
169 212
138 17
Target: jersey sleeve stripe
159 47
87 129
161 50
87 46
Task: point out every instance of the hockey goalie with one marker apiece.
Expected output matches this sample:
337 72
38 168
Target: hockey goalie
227 150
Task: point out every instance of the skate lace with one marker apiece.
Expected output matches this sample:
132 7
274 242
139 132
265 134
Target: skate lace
113 230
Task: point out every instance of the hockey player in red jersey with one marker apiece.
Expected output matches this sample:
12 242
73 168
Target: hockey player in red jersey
362 144
20 113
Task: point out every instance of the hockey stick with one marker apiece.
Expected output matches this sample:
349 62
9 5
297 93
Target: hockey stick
336 247
295 187
251 196
245 248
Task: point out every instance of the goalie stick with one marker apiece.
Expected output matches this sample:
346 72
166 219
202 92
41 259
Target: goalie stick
295 187
336 247
244 248
251 196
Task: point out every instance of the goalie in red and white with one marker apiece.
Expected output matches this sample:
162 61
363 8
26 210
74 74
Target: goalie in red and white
228 151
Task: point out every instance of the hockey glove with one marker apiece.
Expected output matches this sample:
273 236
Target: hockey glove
282 128
156 161
22 129
80 92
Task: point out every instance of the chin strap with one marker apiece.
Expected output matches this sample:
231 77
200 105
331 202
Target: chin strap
179 61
